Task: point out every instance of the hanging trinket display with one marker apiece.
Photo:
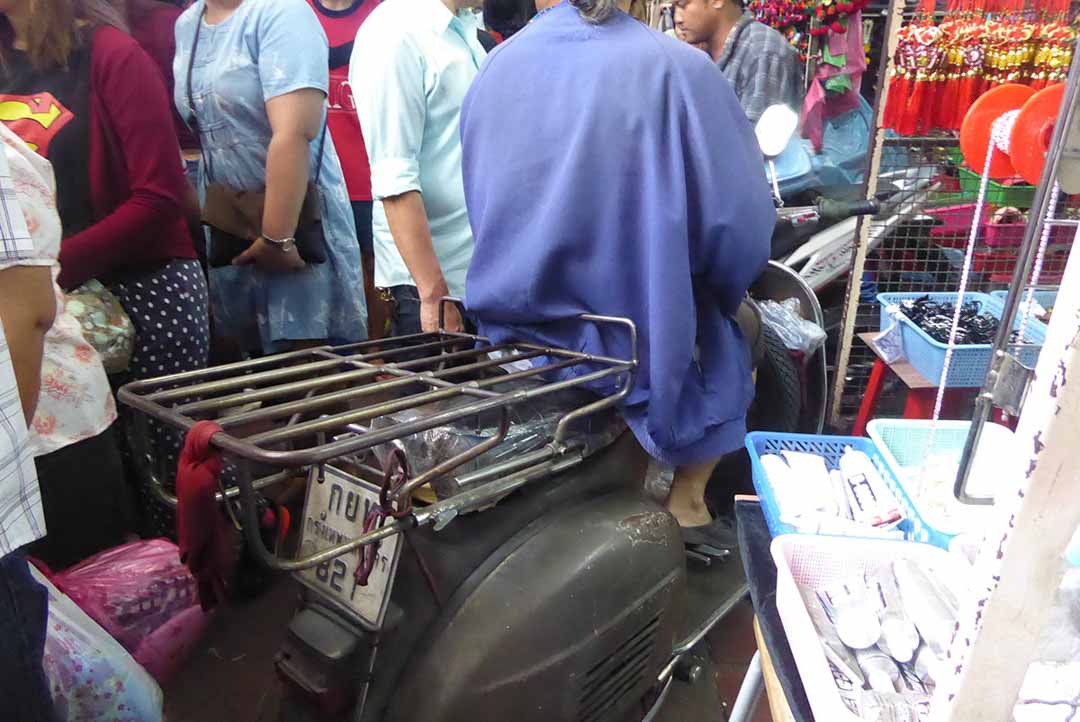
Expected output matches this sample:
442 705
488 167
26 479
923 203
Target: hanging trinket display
940 70
1055 40
801 20
917 61
789 17
962 32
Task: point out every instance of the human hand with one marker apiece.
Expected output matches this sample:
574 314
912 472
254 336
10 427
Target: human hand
429 317
270 258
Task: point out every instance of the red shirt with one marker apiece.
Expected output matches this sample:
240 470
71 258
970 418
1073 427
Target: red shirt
340 27
133 213
153 26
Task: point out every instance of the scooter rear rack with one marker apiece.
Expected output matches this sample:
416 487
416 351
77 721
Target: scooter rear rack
299 410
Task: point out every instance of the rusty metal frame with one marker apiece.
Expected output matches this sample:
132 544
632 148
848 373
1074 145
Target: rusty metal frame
301 394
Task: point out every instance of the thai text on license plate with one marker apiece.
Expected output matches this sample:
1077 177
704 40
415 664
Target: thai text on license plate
334 513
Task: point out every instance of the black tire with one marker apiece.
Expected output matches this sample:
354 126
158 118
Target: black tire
778 394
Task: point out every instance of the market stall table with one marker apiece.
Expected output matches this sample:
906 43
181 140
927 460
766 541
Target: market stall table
921 396
787 698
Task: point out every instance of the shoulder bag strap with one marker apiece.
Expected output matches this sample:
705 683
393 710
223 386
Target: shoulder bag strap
191 99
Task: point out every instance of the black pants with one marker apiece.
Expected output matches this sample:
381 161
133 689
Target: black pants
24 612
86 500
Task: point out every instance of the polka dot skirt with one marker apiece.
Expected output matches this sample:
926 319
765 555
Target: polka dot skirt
168 307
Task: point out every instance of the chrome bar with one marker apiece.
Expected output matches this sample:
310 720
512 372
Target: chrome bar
460 459
370 412
452 507
337 397
1020 279
296 387
279 374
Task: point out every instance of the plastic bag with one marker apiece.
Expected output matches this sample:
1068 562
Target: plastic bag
137 592
92 678
532 425
796 332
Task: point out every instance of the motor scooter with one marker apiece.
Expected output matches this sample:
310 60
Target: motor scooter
476 542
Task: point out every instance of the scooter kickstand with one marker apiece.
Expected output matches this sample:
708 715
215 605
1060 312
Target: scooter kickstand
707 553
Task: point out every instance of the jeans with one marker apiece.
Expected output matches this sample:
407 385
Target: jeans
24 610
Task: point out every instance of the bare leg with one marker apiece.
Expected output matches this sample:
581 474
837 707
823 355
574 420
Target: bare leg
687 500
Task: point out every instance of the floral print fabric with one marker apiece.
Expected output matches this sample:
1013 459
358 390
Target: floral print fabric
76 402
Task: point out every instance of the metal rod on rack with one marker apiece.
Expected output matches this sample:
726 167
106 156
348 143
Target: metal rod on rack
1021 278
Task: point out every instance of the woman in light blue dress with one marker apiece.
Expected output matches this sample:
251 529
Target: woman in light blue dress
258 86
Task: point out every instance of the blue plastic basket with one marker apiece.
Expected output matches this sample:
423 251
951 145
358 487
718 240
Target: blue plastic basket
1045 298
903 444
831 448
970 362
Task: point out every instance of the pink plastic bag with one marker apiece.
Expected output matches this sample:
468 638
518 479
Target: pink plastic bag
144 597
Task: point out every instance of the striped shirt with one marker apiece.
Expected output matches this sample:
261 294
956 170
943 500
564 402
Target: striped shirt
762 67
21 517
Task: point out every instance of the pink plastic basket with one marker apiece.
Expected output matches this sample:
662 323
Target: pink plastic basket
811 562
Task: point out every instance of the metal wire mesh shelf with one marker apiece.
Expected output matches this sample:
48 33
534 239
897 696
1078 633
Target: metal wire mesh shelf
924 249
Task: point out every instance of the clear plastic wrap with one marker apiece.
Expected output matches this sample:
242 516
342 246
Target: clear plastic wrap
796 332
143 596
532 425
90 675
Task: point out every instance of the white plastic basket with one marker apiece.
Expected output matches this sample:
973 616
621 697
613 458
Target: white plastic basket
812 562
902 444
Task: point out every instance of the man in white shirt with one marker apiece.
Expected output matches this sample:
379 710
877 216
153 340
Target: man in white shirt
27 308
411 66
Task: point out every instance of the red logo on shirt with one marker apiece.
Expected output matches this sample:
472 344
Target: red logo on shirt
35 118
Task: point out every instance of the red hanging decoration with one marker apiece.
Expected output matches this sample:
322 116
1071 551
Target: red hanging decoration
919 56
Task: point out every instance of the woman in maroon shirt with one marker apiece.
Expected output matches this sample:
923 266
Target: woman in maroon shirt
83 94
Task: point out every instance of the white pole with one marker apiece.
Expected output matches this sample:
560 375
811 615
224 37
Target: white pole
1037 508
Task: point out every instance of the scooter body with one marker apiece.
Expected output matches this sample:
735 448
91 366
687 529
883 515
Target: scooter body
564 604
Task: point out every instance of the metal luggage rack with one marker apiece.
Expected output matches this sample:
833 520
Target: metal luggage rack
299 410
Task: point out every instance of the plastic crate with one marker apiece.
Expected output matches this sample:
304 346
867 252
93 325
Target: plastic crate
1020 195
955 228
970 362
831 448
1045 298
903 445
811 562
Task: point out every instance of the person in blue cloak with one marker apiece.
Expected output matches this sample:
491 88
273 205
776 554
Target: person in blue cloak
611 170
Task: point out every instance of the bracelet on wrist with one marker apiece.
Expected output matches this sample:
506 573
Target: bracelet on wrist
285 245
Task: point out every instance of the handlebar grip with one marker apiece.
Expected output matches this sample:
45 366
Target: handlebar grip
839 210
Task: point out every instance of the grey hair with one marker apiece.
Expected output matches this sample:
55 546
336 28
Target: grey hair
595 11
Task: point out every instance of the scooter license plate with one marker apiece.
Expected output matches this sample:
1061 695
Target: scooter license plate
334 513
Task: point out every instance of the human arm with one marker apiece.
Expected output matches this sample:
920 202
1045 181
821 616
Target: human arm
730 215
293 60
128 89
409 225
27 310
387 78
295 121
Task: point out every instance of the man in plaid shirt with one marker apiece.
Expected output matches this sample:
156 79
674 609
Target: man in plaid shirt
27 307
760 64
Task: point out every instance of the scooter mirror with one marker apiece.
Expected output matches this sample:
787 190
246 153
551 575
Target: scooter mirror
774 129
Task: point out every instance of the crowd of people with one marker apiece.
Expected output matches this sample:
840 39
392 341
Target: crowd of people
244 177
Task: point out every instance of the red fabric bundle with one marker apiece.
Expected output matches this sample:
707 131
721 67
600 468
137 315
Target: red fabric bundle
205 535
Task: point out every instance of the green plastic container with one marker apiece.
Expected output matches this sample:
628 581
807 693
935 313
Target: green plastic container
1017 196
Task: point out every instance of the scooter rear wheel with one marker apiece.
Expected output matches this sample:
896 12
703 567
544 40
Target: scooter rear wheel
778 392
